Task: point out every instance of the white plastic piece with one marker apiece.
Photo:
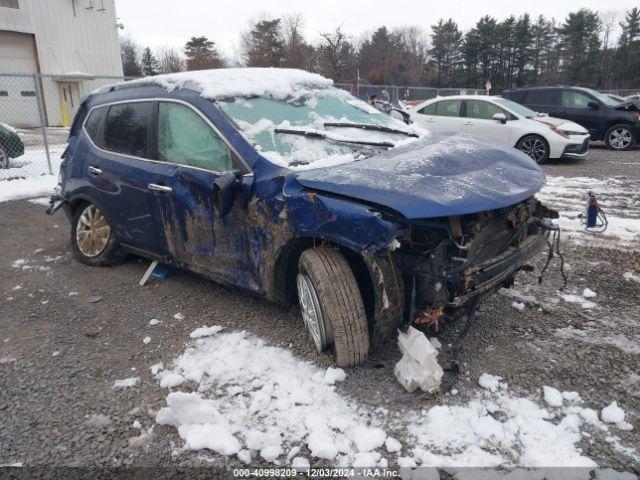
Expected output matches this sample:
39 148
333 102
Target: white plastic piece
418 367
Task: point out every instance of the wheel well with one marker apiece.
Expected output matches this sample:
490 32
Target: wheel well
75 204
533 135
286 269
614 123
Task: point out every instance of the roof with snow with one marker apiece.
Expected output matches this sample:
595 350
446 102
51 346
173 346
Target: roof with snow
279 83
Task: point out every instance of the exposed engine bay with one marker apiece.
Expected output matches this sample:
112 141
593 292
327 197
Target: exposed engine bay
445 263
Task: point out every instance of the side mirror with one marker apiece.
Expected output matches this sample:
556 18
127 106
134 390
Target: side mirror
593 105
500 117
224 193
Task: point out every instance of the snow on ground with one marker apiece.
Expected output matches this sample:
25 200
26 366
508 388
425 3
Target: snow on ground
596 337
27 187
126 382
618 198
239 396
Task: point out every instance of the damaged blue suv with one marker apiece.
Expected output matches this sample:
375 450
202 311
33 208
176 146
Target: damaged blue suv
275 181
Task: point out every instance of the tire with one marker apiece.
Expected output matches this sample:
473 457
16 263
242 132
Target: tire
336 298
4 158
620 137
535 146
99 256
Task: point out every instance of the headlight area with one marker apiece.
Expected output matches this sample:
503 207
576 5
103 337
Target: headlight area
568 133
446 263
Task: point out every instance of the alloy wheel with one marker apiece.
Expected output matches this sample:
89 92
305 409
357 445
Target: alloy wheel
620 138
312 313
92 232
535 148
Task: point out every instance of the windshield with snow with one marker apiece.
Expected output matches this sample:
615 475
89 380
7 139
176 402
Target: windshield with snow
320 128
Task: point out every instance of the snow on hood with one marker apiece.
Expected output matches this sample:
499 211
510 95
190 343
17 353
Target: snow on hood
278 83
562 123
435 176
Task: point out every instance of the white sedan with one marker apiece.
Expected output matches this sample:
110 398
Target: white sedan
500 120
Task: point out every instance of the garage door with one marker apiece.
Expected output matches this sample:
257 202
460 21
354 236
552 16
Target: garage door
17 95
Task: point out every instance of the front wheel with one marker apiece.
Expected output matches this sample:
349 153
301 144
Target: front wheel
620 137
4 158
535 146
332 306
92 239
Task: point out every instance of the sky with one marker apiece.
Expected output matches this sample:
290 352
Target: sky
170 23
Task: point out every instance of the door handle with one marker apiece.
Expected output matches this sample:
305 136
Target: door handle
94 170
159 188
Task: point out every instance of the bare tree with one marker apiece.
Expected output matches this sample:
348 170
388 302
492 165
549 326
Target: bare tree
297 51
336 55
171 61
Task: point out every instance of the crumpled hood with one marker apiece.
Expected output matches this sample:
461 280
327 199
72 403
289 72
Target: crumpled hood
435 176
556 122
628 106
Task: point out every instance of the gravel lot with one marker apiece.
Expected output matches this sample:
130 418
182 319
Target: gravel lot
70 331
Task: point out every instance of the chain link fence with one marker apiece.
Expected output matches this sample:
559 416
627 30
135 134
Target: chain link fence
35 114
397 93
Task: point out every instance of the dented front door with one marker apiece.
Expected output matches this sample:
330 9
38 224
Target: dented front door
191 231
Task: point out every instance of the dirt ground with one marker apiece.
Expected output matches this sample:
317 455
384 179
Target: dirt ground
70 330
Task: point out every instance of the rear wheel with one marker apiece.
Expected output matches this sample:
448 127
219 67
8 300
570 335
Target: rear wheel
4 158
535 146
620 137
332 306
92 239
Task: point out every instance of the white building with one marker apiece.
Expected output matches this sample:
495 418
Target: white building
69 42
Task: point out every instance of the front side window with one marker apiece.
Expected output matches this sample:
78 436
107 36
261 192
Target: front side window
429 109
483 110
572 99
448 108
185 138
126 128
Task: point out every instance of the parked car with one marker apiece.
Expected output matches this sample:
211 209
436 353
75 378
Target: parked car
618 124
615 98
10 145
500 120
274 181
633 98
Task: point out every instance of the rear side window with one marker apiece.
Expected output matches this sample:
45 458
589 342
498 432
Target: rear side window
516 96
127 128
483 110
93 125
540 97
186 139
448 108
429 109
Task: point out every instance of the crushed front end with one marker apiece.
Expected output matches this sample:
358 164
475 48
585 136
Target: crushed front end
447 262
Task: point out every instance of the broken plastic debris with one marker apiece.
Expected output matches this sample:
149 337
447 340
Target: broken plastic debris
394 245
418 366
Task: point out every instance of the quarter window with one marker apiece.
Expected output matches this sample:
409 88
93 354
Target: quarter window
127 128
186 139
483 110
448 108
572 99
93 124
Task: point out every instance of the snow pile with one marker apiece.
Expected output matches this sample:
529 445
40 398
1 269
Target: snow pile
616 197
594 337
254 399
418 366
126 382
278 83
205 331
612 413
25 188
518 306
580 299
631 276
261 404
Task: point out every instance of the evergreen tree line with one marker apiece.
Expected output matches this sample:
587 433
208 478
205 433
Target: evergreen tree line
598 50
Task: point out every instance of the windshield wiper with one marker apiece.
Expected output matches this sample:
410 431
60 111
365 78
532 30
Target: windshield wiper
367 126
324 136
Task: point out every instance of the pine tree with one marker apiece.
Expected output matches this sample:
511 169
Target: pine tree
264 45
201 54
580 44
150 65
446 39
